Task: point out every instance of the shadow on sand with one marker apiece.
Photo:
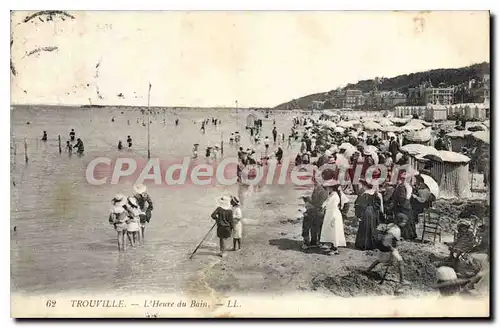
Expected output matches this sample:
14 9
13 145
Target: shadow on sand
285 244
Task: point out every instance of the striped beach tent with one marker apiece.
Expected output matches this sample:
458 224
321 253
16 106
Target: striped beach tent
452 175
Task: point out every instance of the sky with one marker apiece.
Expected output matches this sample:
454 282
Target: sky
206 59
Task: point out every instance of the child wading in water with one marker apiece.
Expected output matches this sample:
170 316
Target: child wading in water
118 217
133 220
223 216
237 224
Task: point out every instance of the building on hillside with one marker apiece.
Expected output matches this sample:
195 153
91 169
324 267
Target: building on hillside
317 105
373 100
392 98
426 93
439 96
349 99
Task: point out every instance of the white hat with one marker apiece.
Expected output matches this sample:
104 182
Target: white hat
391 134
394 230
133 201
119 200
224 202
139 188
328 152
333 149
446 277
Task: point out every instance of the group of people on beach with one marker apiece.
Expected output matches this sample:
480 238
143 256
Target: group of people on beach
70 144
387 211
130 216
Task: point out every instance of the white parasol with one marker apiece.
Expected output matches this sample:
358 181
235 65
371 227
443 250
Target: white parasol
432 184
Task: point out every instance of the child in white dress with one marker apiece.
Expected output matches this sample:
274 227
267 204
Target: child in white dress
237 224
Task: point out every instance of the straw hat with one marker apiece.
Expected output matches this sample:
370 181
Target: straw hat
224 202
235 201
119 200
447 277
140 188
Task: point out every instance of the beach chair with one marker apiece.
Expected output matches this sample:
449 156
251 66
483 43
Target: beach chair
432 224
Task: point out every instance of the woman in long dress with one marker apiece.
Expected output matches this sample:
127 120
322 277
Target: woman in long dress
368 207
332 231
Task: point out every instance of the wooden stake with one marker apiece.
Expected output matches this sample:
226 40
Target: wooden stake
25 150
222 144
149 121
59 139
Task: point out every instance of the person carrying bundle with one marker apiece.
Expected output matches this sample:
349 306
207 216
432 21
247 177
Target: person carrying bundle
145 204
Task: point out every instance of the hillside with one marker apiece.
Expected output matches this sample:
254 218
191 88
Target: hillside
401 83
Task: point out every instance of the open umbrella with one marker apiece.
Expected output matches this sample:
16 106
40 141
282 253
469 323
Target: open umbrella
431 184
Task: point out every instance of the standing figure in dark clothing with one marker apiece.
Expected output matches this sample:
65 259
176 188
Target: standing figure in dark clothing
368 207
401 206
72 135
223 216
129 141
279 154
275 134
176 122
44 138
120 146
393 148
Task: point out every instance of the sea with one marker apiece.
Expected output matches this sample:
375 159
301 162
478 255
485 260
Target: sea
62 240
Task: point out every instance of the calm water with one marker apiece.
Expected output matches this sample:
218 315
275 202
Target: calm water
63 240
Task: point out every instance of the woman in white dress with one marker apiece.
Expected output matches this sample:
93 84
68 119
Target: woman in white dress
237 224
332 231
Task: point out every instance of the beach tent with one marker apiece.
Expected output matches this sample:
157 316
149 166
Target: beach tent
416 151
251 118
452 174
458 139
422 136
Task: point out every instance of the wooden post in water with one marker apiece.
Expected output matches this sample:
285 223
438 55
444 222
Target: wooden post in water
237 114
149 121
59 139
222 144
25 150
